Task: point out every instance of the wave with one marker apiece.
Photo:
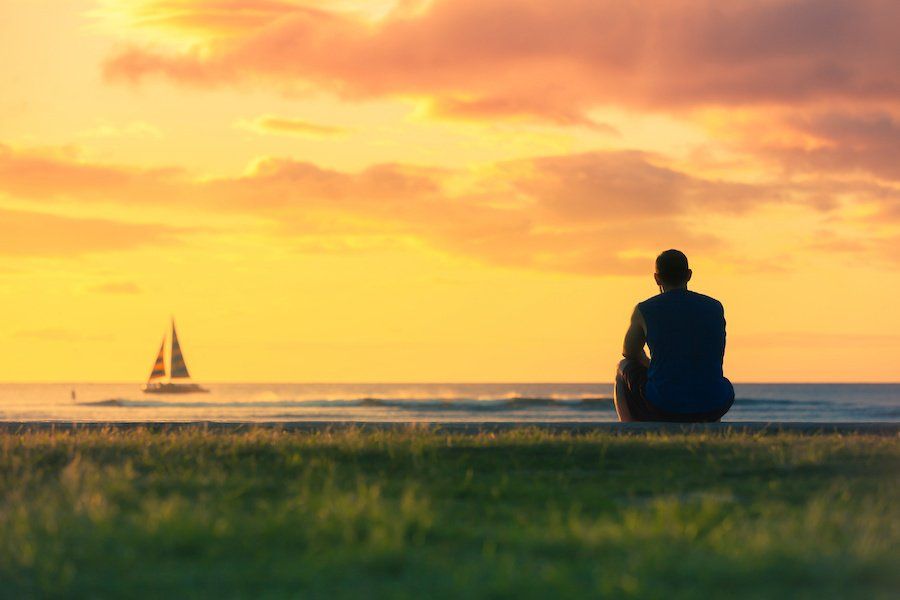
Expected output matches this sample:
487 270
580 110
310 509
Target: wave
423 394
595 403
519 402
432 404
781 402
441 403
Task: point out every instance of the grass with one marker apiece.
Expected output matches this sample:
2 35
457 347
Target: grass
411 514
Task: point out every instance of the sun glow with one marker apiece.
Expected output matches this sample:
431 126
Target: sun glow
447 190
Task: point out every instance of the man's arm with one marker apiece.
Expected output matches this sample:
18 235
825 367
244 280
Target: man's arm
635 338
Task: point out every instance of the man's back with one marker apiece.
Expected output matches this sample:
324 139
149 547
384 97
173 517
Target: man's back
686 337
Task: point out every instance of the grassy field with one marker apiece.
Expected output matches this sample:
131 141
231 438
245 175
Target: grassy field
413 514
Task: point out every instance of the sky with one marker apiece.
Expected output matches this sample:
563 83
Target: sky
454 190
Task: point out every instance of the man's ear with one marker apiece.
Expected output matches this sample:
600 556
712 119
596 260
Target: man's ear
656 278
689 275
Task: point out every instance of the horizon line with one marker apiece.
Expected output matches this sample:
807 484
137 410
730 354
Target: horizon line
420 382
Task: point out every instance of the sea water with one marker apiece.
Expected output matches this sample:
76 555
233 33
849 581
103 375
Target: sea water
423 402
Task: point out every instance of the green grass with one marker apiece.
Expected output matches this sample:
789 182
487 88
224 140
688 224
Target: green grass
414 514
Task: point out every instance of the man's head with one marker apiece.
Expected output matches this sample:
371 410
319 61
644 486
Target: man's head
672 270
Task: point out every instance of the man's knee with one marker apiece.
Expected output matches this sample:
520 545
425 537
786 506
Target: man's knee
622 366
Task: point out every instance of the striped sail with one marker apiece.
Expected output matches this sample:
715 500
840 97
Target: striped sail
178 367
159 367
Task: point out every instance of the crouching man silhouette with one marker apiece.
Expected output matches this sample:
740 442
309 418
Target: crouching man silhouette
682 379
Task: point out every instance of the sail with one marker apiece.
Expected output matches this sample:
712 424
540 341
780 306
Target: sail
178 366
159 367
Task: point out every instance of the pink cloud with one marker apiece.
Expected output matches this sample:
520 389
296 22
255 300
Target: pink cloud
865 142
559 59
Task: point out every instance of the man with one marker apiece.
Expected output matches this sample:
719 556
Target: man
682 379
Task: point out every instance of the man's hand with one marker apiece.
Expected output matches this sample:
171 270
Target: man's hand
635 338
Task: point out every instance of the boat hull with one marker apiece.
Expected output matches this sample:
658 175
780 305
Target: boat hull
174 388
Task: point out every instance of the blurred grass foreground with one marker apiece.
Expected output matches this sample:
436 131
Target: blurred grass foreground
419 513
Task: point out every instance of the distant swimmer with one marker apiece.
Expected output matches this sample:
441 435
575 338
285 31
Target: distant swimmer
73 395
682 379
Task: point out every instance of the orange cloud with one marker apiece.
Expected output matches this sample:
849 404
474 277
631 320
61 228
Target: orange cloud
512 108
46 174
622 186
25 233
218 17
874 247
287 126
593 213
554 60
835 142
578 213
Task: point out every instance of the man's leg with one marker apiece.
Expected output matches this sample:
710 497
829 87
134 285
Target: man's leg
621 391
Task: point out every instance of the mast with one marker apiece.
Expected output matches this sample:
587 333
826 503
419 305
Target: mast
159 367
177 368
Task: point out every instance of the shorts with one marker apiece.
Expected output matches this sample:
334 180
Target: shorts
631 379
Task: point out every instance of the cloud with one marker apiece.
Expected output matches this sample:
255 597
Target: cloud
592 213
870 247
551 60
288 126
35 234
514 108
116 287
834 142
621 186
840 141
203 17
580 213
280 183
49 174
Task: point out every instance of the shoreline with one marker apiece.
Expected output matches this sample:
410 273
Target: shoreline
465 427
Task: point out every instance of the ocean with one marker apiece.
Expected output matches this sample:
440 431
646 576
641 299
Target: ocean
423 402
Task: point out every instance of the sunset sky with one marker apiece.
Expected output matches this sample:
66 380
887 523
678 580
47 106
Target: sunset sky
455 190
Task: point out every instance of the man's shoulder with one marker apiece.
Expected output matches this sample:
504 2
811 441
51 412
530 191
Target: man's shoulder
694 296
648 301
707 299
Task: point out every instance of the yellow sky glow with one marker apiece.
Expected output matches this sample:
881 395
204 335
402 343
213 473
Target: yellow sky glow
402 191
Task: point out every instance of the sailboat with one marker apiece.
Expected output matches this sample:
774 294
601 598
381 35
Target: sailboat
175 379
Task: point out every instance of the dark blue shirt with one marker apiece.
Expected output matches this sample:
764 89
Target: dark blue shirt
686 337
